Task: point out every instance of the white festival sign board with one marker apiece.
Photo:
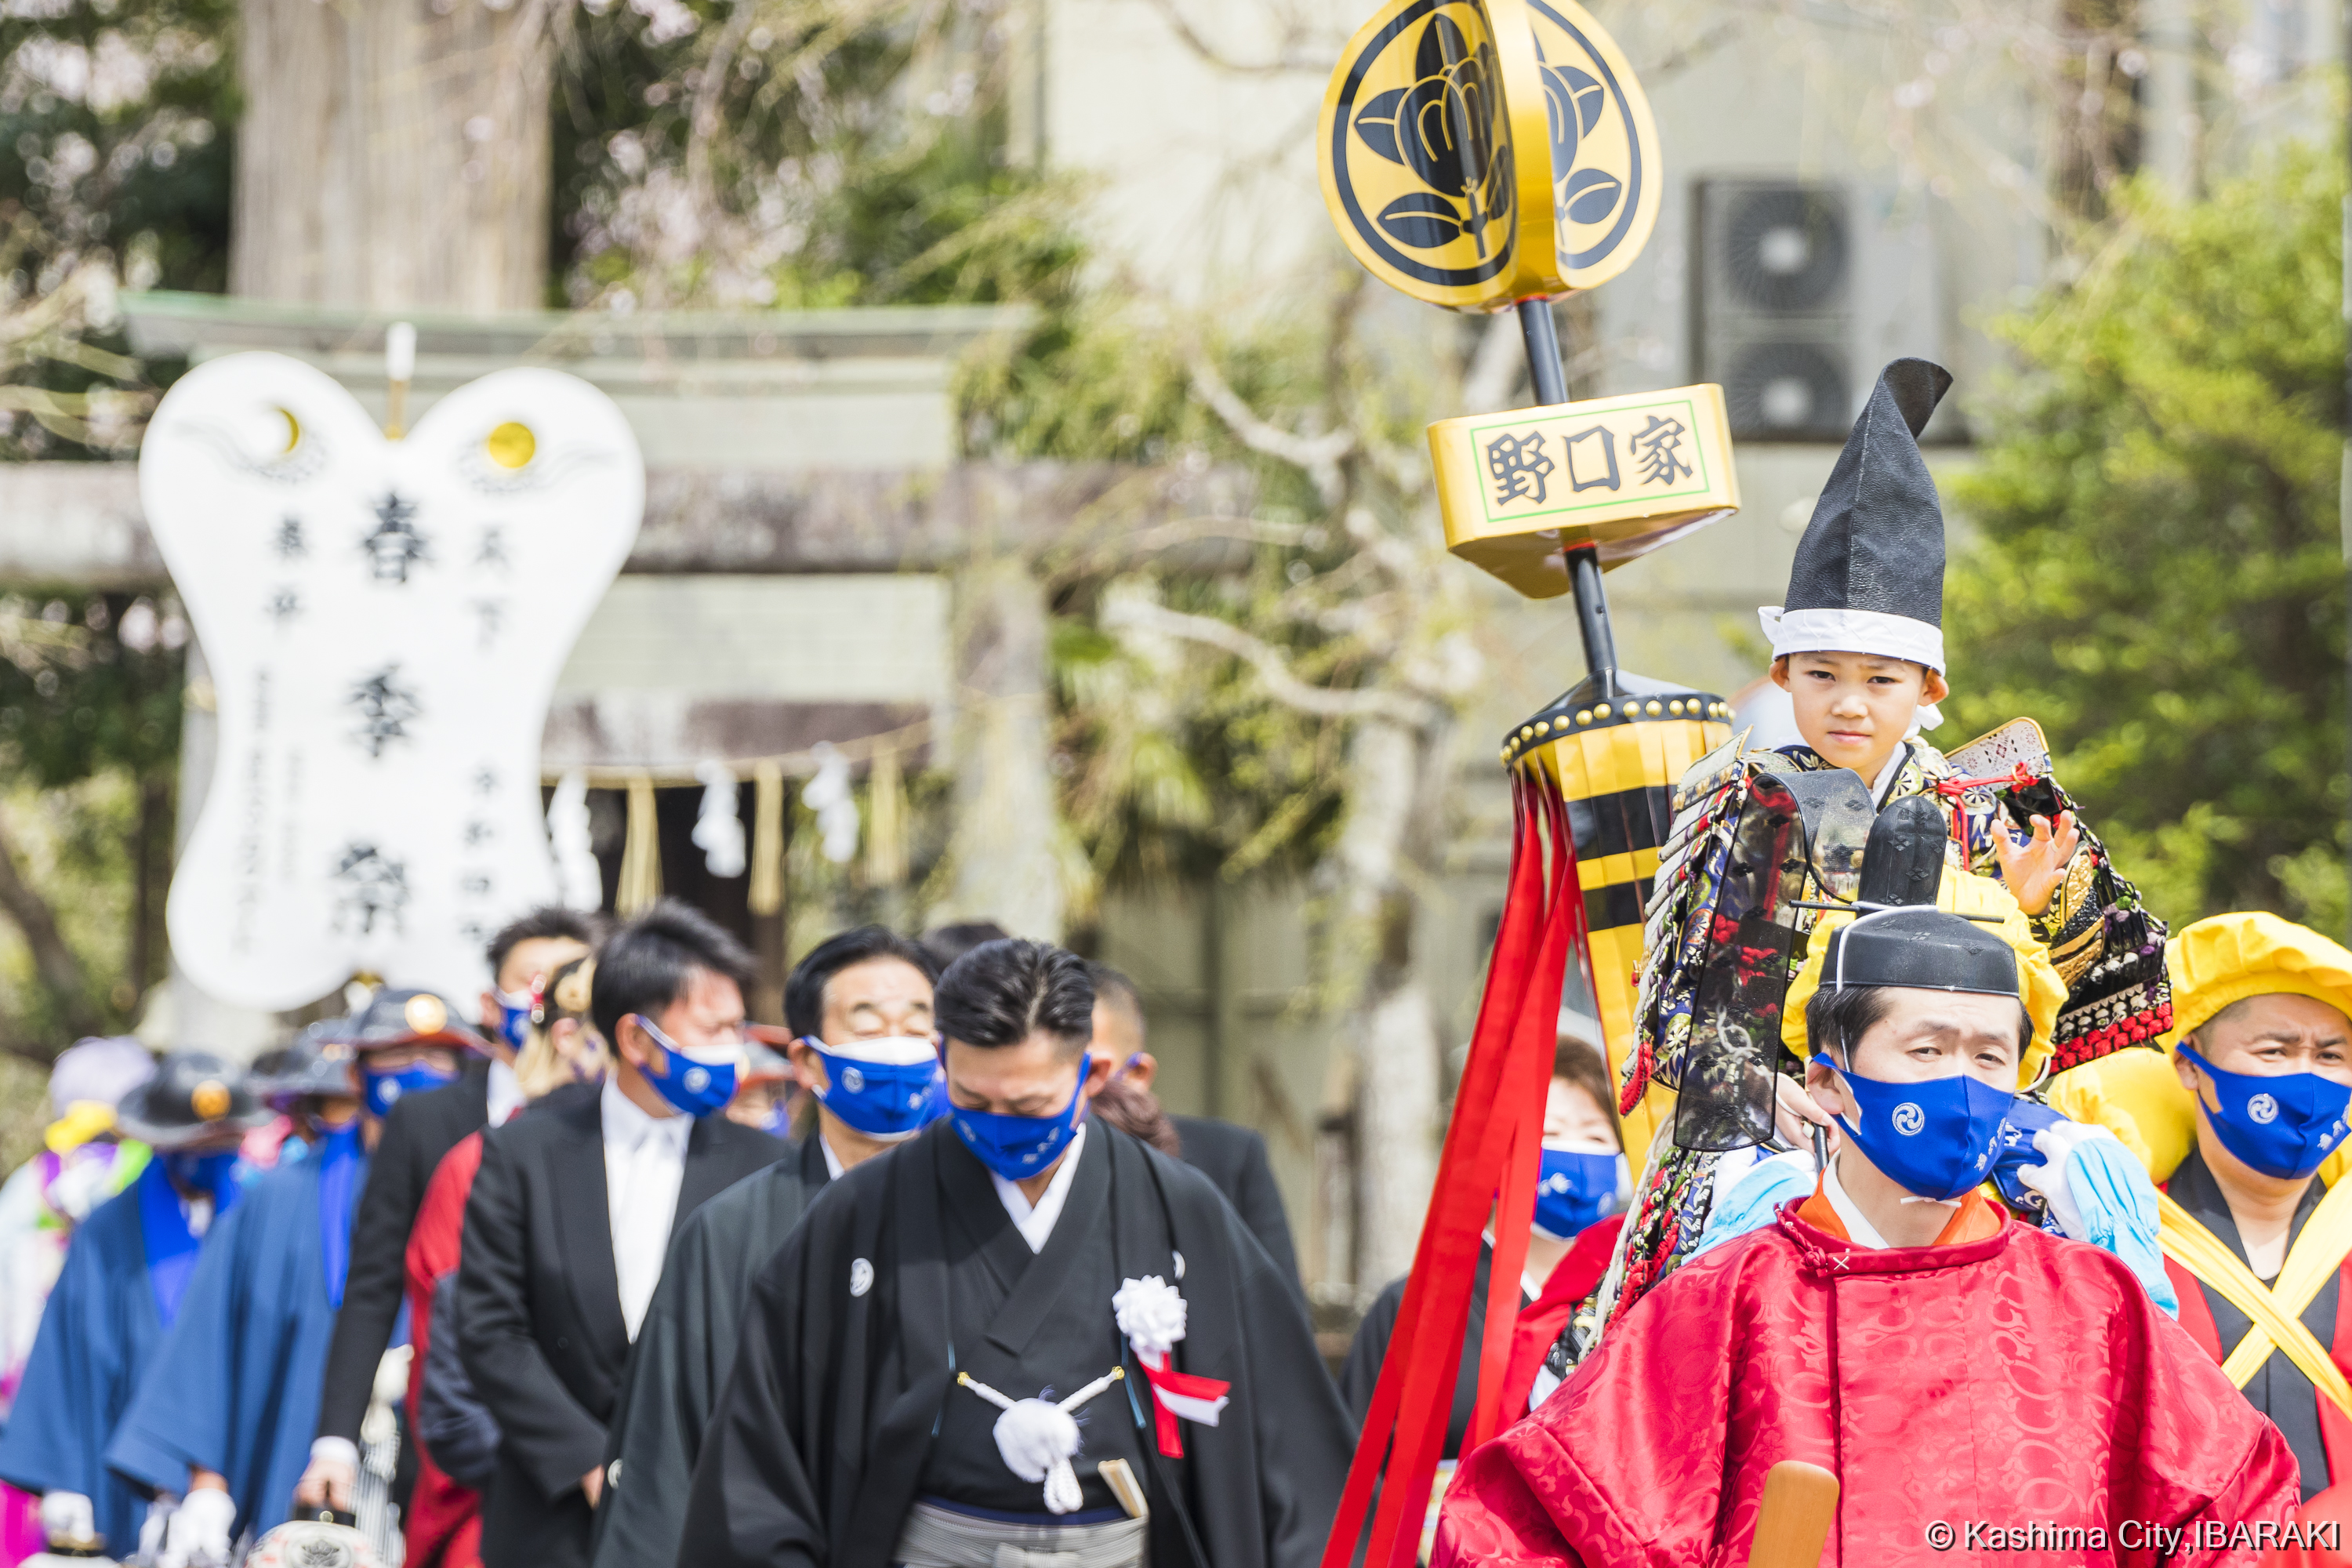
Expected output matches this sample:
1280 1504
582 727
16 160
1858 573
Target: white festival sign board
384 621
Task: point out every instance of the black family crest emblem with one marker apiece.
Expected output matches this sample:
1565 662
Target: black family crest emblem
1474 152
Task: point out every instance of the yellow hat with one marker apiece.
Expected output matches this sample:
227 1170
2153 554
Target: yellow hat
84 1120
1960 893
2229 958
2136 1094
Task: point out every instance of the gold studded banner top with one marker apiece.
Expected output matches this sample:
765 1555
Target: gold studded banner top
1614 761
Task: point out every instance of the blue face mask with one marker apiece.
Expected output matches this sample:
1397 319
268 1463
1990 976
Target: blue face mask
696 1086
1937 1138
514 1019
1018 1147
1573 1189
886 1089
2284 1126
214 1173
385 1089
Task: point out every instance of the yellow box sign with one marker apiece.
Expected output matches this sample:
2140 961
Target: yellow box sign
1625 474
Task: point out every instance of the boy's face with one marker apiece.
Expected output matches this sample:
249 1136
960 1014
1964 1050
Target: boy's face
1855 708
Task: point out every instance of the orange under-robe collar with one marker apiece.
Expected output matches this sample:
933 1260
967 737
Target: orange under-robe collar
1974 1220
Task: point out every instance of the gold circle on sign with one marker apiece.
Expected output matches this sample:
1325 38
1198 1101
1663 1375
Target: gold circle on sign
210 1101
512 446
426 1014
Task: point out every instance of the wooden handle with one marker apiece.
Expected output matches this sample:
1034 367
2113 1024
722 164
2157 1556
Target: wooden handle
1800 1505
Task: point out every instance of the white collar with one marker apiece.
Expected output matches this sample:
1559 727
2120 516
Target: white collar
628 1125
833 1165
1885 780
505 1092
1860 1230
1035 1222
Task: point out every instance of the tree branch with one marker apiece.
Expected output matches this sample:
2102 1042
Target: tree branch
1281 683
60 970
1317 456
1291 60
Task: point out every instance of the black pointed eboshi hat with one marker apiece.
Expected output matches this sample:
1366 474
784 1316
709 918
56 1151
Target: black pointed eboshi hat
1869 572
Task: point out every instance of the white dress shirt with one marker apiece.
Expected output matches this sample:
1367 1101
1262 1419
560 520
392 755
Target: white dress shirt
506 1093
1036 1222
645 1162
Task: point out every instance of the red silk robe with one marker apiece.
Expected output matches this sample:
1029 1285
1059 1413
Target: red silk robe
444 1524
2007 1382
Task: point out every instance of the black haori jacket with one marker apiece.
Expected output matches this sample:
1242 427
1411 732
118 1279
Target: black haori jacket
816 1453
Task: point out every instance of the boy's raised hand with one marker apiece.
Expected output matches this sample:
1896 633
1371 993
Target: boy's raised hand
2033 870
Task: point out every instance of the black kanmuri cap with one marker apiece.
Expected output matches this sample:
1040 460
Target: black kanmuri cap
1922 949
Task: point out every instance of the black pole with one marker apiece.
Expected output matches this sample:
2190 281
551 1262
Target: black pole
1583 560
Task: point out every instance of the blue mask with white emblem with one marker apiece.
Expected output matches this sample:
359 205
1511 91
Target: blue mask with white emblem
1573 1189
514 1018
1937 1137
385 1089
1018 1147
884 1088
694 1083
2283 1126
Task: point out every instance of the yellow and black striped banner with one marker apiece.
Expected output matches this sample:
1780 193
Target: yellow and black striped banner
1616 761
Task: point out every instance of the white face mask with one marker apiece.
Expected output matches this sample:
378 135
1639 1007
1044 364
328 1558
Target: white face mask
894 1050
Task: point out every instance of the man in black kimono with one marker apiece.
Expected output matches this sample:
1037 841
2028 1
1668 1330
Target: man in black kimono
1023 1329
855 991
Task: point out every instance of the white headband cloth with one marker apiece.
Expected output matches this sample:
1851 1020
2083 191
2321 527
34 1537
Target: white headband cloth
1853 631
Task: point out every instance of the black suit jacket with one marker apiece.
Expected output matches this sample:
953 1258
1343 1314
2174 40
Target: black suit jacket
417 1133
1234 1158
539 1327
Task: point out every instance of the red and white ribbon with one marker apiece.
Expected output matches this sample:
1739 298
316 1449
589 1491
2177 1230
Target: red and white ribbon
1152 1315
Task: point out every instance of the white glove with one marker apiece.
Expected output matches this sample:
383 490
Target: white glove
198 1535
1037 1441
2056 1146
67 1520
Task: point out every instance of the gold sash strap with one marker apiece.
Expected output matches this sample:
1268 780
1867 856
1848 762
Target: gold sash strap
2276 1312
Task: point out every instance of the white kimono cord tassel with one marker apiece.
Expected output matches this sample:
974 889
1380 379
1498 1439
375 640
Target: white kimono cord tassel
1038 1440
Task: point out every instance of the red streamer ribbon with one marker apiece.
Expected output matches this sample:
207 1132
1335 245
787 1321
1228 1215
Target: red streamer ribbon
1491 1143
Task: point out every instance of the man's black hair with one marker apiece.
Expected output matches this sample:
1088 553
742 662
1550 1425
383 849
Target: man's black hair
538 924
949 942
1121 993
1001 993
1841 1017
647 964
805 991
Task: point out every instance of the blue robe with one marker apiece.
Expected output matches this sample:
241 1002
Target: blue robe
235 1385
98 1334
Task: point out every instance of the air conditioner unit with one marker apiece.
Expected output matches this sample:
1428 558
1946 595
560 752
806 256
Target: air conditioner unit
1803 290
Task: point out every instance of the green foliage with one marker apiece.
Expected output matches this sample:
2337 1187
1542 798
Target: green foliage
2158 576
114 164
799 153
88 703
